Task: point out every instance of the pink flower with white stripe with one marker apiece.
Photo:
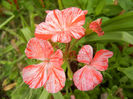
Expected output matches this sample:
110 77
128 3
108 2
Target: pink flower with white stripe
48 73
96 27
61 25
88 77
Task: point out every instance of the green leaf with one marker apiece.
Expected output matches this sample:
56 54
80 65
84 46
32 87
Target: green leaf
32 15
126 4
44 94
27 33
6 4
127 71
111 10
8 20
120 23
89 7
70 3
58 95
111 36
100 6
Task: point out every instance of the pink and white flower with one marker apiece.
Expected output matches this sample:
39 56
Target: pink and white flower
88 77
61 25
48 73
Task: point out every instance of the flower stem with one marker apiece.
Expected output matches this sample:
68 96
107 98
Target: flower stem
69 72
60 4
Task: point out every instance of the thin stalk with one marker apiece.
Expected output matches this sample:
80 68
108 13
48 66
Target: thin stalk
69 73
8 20
60 4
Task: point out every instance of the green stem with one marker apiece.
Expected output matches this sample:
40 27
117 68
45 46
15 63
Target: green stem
8 20
69 72
66 54
60 4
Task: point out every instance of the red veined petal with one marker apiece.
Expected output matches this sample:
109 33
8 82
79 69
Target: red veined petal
99 21
56 80
35 75
56 20
100 60
96 27
38 49
44 31
59 29
57 58
85 12
77 32
85 54
74 16
61 37
87 78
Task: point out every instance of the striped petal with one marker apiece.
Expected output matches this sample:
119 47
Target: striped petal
57 58
56 80
87 78
38 49
96 27
61 37
85 54
74 16
77 32
100 61
44 31
55 18
35 75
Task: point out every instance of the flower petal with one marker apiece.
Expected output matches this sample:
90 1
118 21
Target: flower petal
100 61
61 37
35 75
96 27
85 12
56 80
59 30
87 78
85 54
77 32
57 58
74 16
55 18
44 31
38 49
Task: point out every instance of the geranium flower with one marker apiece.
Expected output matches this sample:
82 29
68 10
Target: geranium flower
47 73
96 27
61 25
88 77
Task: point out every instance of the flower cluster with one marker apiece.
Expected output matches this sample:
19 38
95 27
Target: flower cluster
61 26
